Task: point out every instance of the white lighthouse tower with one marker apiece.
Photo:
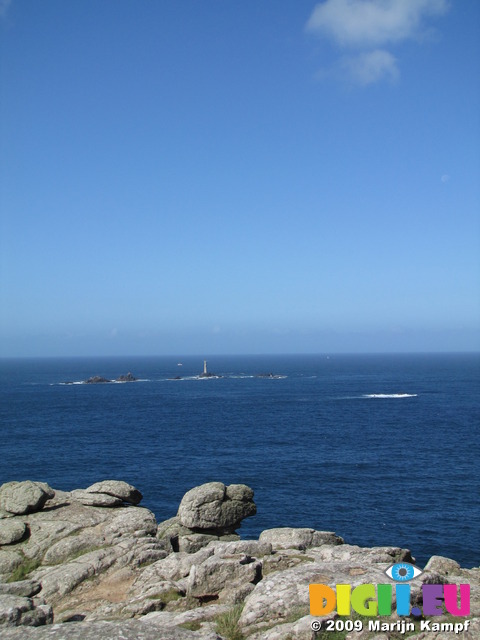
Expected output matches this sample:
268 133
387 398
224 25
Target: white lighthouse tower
205 372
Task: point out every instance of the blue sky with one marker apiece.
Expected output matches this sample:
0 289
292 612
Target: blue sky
239 177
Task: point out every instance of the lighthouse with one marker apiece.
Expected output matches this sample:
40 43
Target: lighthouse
206 374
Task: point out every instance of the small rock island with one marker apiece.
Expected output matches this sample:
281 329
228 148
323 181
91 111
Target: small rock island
128 377
270 376
96 380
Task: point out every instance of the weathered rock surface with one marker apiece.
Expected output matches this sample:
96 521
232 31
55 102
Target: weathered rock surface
96 499
213 506
16 611
12 531
111 571
120 630
175 537
117 489
289 538
24 588
24 497
10 559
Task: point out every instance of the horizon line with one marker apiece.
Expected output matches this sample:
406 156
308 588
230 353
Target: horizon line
243 355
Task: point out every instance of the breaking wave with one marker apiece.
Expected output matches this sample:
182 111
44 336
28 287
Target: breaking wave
390 395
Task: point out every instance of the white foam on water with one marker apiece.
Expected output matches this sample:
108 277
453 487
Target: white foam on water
390 395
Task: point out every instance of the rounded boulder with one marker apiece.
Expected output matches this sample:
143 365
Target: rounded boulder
214 506
24 497
118 489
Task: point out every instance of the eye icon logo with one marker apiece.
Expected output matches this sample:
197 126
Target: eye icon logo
403 572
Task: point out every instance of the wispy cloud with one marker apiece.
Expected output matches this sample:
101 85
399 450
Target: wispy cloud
372 22
4 4
363 24
370 67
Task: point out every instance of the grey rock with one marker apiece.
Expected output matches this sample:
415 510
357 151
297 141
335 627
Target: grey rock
171 527
175 567
239 492
442 565
96 380
353 554
133 609
193 542
283 559
47 488
278 595
169 532
18 611
47 527
131 521
254 548
5 514
123 629
213 506
24 588
168 619
142 552
236 593
300 538
100 564
214 575
128 377
201 507
117 489
41 614
223 569
238 505
75 545
11 531
176 537
62 579
154 599
24 497
96 499
10 559
300 630
472 633
284 593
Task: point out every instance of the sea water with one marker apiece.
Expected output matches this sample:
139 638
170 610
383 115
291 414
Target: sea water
381 449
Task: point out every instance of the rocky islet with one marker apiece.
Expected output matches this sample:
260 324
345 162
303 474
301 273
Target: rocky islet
92 563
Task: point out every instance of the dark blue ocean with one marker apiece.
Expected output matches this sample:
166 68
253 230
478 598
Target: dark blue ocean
381 449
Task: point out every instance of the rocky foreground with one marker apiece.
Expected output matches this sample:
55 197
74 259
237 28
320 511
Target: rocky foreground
92 564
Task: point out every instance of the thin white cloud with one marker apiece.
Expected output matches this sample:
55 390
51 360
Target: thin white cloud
4 4
362 23
367 26
370 67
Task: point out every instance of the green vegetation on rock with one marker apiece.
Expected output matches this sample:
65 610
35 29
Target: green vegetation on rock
22 571
226 624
